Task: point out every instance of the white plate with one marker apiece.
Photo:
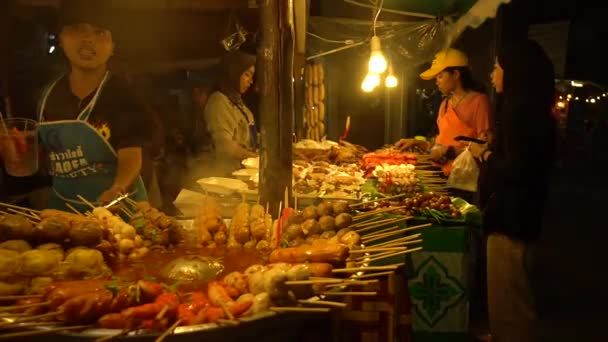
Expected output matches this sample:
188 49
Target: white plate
222 186
315 145
246 174
251 163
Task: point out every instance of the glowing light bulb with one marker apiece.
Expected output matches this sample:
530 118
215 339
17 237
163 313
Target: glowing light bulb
391 81
370 82
377 62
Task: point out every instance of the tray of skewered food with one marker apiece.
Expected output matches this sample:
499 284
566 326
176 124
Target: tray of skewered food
184 291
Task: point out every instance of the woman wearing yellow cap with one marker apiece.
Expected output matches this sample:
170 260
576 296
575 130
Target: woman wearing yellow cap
465 111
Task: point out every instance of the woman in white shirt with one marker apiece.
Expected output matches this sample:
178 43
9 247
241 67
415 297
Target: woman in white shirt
229 122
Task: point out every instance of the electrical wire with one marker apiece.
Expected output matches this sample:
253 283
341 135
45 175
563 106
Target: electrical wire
377 15
346 42
410 14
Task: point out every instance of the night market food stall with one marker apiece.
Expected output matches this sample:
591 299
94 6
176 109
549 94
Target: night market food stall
315 227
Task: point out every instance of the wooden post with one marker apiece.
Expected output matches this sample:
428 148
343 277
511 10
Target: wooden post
299 63
5 55
276 105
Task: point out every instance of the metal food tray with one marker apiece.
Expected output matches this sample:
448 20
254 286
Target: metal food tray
182 331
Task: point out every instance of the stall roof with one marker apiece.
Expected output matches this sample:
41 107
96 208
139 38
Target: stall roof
204 5
430 7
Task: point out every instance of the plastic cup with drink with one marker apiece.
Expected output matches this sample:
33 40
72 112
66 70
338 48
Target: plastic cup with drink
19 146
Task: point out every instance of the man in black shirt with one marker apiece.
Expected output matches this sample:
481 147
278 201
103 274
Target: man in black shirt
92 126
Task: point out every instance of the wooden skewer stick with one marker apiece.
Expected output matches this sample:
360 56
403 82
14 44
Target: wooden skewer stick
397 242
368 268
297 309
35 215
367 258
366 214
380 199
127 212
376 275
33 325
2 204
228 322
22 213
370 222
322 302
368 225
400 242
353 293
400 231
12 315
71 207
123 332
314 281
131 201
380 232
327 278
406 243
84 200
25 306
376 250
367 240
394 254
31 318
353 283
227 312
375 212
162 313
43 332
16 297
169 331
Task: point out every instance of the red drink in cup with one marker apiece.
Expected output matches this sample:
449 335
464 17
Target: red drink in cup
19 146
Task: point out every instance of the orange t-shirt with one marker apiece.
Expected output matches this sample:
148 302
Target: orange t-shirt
473 110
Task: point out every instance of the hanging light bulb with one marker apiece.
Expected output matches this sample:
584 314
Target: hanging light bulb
377 62
390 81
370 82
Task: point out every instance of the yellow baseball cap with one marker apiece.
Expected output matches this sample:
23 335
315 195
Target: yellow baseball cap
444 59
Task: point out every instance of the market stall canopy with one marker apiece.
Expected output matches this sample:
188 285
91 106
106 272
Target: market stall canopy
428 27
430 7
155 4
416 41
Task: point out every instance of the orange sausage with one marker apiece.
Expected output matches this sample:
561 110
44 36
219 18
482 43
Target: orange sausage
48 213
308 253
320 269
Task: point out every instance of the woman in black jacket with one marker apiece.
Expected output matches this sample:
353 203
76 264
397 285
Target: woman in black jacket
516 170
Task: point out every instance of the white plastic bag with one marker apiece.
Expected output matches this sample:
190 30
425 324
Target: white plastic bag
465 172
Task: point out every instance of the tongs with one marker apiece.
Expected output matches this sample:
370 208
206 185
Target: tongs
118 200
